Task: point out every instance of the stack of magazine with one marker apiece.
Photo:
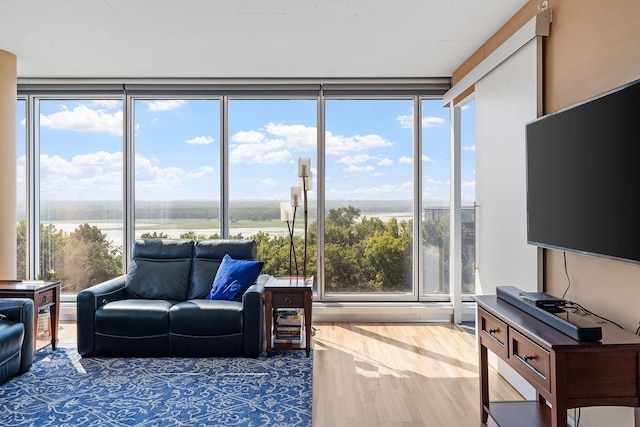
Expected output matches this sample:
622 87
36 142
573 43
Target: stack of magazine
287 326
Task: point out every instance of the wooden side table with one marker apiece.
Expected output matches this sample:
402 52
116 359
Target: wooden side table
45 296
288 292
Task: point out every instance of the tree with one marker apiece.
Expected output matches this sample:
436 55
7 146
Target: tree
89 258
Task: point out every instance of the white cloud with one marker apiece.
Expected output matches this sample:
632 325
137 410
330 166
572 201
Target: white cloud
359 158
300 136
84 119
200 140
247 137
354 168
166 105
406 121
268 181
109 104
272 144
81 176
385 162
201 171
405 160
432 122
267 151
426 158
469 148
154 179
338 144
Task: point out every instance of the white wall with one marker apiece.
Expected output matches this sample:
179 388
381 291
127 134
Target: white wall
506 99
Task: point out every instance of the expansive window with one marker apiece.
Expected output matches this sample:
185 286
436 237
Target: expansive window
177 168
468 173
222 164
435 198
81 196
368 237
266 139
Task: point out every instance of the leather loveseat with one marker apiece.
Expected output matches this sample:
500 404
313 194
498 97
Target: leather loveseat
16 337
159 308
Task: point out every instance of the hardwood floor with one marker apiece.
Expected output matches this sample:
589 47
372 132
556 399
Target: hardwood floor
398 375
391 375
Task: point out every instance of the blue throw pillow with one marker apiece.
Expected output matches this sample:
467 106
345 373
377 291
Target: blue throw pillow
233 278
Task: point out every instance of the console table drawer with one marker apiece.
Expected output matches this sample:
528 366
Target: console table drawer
286 299
43 299
528 358
494 333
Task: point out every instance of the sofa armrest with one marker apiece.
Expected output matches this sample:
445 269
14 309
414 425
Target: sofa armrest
21 310
88 301
253 312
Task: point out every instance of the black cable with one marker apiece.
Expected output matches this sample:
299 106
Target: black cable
578 307
566 272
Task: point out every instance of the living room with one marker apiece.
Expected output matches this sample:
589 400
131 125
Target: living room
591 49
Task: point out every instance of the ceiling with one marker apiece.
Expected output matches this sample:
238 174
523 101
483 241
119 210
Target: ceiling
247 38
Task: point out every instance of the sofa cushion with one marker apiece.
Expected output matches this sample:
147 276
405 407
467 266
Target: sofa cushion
206 318
233 278
159 279
207 256
162 249
134 318
160 269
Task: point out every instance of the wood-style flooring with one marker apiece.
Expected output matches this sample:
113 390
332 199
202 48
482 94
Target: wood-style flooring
398 375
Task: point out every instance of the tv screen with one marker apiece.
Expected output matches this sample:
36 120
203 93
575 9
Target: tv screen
583 177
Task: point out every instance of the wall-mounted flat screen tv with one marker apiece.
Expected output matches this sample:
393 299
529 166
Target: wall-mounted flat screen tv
583 177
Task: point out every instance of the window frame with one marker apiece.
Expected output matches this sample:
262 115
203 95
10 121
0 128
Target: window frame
414 90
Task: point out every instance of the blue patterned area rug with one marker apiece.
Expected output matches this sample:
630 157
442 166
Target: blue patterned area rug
63 389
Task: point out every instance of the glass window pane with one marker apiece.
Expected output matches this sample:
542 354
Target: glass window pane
266 139
80 191
468 171
435 198
21 194
369 197
177 168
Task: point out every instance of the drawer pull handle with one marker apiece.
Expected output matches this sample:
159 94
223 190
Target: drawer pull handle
527 357
287 300
46 299
492 330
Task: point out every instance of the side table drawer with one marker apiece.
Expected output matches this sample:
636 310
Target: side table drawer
494 333
43 299
287 299
529 359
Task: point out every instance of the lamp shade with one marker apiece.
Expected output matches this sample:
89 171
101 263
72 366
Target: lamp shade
306 182
285 211
296 196
304 166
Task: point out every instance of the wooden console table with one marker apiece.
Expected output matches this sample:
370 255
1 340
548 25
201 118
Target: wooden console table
288 292
564 372
45 296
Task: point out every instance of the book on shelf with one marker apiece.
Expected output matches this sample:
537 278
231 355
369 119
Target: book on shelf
288 317
289 340
287 326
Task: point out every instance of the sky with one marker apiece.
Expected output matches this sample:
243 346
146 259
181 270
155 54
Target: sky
177 149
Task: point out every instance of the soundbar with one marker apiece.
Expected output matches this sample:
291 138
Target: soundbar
565 321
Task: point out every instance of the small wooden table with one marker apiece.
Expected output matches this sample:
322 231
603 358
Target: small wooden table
45 296
288 292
